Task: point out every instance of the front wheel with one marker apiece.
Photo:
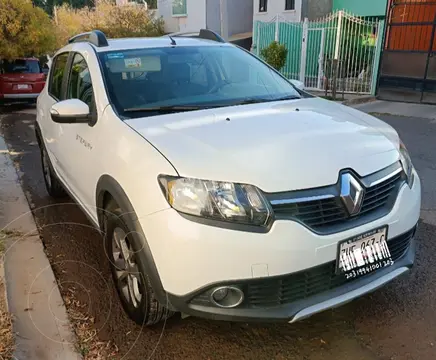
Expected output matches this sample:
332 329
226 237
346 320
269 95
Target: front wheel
127 266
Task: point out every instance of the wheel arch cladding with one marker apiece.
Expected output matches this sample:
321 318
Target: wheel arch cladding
38 133
108 185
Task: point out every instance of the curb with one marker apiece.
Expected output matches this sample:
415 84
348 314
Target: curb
355 100
40 322
359 100
3 279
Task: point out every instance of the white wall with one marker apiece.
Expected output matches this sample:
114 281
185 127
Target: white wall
194 21
277 7
239 16
164 9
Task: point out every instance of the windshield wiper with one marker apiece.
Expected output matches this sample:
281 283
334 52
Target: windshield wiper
263 100
179 108
289 97
176 108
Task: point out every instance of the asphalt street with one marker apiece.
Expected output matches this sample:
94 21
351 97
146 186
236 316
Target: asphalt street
396 322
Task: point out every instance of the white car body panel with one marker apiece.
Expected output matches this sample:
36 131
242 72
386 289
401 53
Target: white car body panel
263 144
81 154
276 146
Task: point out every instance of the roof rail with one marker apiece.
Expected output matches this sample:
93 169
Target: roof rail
95 37
202 34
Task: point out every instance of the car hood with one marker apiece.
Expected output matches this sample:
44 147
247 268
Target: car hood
277 146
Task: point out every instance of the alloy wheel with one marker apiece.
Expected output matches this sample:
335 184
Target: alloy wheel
127 272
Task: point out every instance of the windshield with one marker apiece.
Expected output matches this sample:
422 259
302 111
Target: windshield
205 76
20 66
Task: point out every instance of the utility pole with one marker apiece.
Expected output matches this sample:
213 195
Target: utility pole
224 19
55 14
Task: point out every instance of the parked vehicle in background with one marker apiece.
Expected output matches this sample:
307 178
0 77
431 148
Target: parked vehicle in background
45 69
21 80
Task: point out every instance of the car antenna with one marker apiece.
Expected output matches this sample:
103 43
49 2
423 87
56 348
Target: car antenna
173 42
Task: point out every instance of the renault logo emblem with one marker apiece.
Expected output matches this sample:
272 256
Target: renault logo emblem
351 193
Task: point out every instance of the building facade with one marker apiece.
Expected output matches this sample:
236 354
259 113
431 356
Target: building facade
232 19
290 10
362 7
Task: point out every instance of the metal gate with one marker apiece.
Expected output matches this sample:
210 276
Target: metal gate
408 65
354 42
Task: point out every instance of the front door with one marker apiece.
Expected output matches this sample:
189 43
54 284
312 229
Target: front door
52 131
76 150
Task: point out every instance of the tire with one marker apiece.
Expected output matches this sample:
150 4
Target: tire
133 286
52 183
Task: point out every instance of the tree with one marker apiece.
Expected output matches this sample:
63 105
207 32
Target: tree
48 5
275 55
132 20
25 30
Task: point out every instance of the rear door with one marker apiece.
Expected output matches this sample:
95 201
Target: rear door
21 76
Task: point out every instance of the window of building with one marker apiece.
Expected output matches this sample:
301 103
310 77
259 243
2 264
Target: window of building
180 8
263 5
289 4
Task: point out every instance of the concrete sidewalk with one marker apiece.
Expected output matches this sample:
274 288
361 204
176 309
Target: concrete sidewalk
41 326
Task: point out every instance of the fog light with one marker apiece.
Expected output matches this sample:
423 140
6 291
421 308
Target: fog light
227 296
220 294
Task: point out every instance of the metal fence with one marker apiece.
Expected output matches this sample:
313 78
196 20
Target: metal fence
340 46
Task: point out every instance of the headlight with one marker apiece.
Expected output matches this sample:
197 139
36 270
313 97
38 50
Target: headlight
406 162
224 201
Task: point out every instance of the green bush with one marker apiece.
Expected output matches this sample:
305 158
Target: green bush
275 55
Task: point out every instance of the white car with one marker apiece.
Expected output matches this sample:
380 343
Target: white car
222 189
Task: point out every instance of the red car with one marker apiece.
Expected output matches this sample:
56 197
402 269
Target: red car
21 80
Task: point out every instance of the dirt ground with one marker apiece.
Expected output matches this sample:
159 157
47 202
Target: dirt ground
397 322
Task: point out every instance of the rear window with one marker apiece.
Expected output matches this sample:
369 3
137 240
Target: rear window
20 66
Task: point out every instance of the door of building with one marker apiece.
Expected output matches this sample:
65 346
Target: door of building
408 63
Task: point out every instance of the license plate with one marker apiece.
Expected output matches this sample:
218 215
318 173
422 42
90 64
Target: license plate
23 87
363 254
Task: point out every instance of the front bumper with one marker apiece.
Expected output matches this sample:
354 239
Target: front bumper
263 293
190 256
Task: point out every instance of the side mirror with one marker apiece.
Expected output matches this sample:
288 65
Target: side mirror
72 111
298 84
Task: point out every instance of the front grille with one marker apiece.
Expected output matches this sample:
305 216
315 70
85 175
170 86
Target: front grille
329 215
314 214
378 195
286 289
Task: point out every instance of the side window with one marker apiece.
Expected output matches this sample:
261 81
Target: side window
57 75
79 83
